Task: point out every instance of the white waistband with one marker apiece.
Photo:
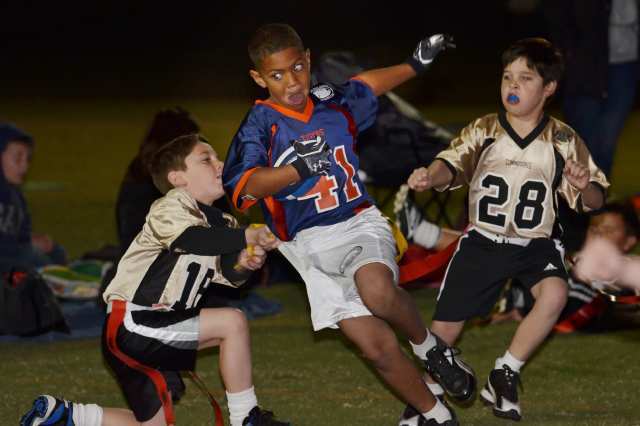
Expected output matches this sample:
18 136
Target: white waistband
502 239
133 307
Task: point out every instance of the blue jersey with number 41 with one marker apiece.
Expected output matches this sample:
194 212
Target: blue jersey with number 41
264 139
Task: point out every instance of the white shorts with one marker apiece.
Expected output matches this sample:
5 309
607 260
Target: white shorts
327 258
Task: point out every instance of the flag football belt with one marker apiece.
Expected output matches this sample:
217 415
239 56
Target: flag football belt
118 310
502 239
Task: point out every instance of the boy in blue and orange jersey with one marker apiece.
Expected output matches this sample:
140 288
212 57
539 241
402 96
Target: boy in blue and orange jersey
295 154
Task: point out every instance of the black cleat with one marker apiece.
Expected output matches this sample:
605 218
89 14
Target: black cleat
260 417
501 392
453 374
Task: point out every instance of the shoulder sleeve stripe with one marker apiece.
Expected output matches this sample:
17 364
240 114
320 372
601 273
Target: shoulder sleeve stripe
238 189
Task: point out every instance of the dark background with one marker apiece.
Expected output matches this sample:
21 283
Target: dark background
193 49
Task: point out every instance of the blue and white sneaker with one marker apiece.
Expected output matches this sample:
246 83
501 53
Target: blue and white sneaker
49 411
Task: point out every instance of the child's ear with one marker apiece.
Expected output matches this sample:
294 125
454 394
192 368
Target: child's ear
630 242
255 75
176 179
550 88
307 54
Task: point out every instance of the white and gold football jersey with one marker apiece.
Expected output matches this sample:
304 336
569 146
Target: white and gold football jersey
513 181
151 273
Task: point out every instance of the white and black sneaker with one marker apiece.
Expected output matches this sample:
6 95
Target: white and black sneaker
501 392
445 366
412 417
408 215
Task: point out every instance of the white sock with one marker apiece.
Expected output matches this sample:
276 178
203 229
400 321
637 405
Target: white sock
240 403
427 234
86 414
421 349
438 412
508 359
435 388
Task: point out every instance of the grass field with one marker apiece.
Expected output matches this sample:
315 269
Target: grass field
311 379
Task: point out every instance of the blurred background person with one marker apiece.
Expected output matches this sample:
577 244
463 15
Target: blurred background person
599 39
19 246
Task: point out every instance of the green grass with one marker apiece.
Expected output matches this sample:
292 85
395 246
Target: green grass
320 380
312 379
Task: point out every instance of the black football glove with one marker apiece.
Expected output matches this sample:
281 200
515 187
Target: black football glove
313 157
428 49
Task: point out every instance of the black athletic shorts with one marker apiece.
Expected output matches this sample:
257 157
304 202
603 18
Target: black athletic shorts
480 267
153 346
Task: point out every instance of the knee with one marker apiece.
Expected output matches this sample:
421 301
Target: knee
225 322
380 352
377 292
554 296
237 322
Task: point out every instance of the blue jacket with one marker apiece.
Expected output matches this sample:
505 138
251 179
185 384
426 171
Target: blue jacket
15 220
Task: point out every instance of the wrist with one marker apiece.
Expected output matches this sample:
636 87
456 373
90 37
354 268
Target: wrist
250 235
417 66
301 168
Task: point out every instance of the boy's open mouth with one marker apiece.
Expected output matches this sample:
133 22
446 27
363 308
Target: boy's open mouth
513 99
296 98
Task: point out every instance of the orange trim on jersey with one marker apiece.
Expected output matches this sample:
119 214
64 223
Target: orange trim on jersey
241 184
303 116
277 217
116 318
274 129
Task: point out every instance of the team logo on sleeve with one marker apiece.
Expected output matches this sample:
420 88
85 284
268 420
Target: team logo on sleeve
322 92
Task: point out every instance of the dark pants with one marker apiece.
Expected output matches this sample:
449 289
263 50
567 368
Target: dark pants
599 121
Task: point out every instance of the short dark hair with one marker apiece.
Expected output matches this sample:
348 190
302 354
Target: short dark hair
540 55
628 214
170 157
272 38
167 125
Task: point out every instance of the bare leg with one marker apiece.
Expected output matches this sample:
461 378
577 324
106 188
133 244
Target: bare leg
124 417
228 328
389 302
447 236
551 297
380 347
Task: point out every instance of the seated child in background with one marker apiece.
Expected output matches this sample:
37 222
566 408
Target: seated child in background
587 309
19 247
154 326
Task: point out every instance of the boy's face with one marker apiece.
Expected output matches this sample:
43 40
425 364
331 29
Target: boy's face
287 76
203 175
522 90
15 162
611 226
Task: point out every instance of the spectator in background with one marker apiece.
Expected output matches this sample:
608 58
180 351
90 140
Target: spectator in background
137 191
599 39
19 247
